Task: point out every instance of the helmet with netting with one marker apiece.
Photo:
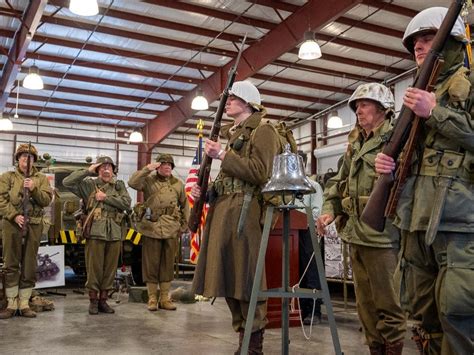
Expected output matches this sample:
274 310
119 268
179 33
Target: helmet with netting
25 148
165 158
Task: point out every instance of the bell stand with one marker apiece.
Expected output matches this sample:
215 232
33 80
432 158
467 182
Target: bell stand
285 291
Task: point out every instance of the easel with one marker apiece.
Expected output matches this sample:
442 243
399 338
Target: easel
285 292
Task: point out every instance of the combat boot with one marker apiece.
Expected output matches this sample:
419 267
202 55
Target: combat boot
394 348
241 338
12 298
165 300
103 306
24 295
152 296
256 342
377 349
94 302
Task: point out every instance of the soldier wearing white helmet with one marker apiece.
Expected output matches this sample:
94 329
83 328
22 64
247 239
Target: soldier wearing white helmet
227 260
431 211
373 254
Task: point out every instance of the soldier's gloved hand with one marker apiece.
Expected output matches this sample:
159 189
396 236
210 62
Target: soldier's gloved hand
100 196
153 166
195 191
93 167
322 222
384 164
20 219
29 184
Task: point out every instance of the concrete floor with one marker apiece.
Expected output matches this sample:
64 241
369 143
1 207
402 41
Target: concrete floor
199 328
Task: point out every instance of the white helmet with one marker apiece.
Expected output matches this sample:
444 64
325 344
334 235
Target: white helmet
430 20
246 91
372 91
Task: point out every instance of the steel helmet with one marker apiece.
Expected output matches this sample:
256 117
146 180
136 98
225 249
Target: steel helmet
104 159
246 91
23 148
372 91
165 158
429 20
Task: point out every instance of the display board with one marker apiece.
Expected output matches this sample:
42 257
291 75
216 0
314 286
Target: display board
50 270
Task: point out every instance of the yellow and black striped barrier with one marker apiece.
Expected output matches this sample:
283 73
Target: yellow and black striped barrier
133 236
69 237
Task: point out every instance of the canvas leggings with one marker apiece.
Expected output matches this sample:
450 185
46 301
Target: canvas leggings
377 297
437 289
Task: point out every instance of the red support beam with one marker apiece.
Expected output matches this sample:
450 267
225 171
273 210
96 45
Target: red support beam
314 14
21 41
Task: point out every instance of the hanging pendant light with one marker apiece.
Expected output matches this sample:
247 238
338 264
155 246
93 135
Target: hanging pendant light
136 137
310 48
199 102
5 124
33 80
334 120
84 7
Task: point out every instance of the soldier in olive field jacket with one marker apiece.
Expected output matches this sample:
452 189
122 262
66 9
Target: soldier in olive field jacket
107 200
227 262
374 255
435 211
19 252
164 215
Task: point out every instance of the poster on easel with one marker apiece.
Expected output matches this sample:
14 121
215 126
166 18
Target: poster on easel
50 269
333 255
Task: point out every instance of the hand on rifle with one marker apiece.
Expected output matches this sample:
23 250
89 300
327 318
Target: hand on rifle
29 184
153 166
384 164
322 222
214 150
20 220
195 191
421 102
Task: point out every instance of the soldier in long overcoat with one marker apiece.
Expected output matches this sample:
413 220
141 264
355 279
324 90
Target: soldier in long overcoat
19 251
436 208
374 255
106 200
227 262
163 217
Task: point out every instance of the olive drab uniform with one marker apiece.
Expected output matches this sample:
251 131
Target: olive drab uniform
227 262
19 253
163 217
104 243
438 279
373 254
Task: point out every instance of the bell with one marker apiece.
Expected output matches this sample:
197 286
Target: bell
288 175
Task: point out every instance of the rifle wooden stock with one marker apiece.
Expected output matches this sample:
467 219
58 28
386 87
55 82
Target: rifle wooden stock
26 196
374 212
205 168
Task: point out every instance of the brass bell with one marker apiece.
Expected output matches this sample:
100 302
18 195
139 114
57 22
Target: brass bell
288 175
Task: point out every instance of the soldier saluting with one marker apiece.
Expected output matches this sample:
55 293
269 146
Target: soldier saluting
106 200
22 226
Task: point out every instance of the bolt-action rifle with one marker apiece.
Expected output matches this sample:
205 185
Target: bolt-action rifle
375 211
205 168
26 196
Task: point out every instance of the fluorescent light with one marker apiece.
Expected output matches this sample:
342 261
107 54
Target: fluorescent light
334 121
84 7
135 137
310 48
33 80
199 102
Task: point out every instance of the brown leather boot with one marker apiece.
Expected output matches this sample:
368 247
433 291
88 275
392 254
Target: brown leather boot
377 349
394 348
11 309
241 339
103 306
94 302
24 295
256 342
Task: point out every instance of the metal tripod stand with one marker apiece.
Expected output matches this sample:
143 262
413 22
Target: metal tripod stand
285 292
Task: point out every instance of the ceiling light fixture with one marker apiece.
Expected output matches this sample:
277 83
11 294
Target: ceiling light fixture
310 48
5 124
199 102
135 137
334 120
84 7
33 80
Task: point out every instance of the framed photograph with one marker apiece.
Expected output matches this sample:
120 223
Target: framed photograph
50 270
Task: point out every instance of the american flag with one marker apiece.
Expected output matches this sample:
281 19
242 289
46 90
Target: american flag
190 181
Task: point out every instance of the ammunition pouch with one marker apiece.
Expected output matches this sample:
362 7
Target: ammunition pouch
230 185
156 214
447 164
